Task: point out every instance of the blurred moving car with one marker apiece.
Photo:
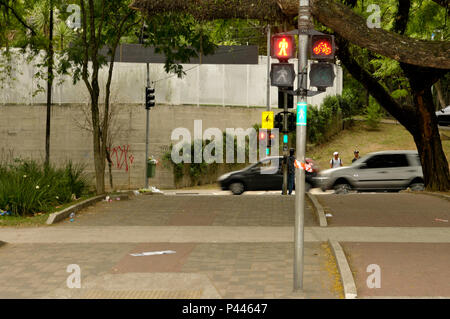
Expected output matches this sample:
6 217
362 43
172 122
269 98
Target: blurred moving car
387 170
261 176
443 116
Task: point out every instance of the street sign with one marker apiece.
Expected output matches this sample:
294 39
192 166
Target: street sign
267 120
301 114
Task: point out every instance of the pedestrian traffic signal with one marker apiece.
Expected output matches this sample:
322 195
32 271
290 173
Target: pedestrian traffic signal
149 97
322 47
282 96
321 75
282 74
282 47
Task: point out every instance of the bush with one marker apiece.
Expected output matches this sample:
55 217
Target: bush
27 187
373 115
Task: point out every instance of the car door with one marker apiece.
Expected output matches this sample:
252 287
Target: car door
268 176
383 171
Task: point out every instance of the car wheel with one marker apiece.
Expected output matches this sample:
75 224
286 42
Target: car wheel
342 188
237 188
417 187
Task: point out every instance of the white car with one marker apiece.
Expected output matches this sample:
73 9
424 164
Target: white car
443 116
387 170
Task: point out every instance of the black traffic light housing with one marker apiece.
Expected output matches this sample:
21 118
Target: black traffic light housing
321 75
282 100
149 97
282 74
292 122
278 121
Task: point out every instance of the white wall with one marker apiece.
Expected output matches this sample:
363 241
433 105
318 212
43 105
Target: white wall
241 85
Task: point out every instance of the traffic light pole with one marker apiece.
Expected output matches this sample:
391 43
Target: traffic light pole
304 17
268 67
147 131
285 145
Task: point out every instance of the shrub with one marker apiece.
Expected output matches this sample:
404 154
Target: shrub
27 187
373 116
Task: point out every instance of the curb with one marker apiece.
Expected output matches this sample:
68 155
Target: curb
318 209
61 215
344 269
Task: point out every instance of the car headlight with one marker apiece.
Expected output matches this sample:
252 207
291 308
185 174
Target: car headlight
224 176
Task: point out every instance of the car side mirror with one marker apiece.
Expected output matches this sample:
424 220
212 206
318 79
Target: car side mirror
363 166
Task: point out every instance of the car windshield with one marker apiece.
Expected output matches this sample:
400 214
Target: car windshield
264 163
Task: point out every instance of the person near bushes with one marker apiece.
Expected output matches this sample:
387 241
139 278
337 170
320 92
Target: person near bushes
356 153
335 161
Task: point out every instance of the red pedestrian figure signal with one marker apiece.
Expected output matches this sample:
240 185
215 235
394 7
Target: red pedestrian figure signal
282 47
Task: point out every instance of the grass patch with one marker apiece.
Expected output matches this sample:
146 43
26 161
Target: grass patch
37 219
387 137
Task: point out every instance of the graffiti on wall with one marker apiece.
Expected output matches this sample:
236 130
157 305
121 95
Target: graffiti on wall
121 157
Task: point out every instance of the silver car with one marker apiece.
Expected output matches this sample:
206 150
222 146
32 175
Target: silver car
387 170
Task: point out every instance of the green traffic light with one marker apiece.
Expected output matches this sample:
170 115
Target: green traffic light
285 139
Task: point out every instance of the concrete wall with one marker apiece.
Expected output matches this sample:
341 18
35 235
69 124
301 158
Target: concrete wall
22 134
230 90
238 85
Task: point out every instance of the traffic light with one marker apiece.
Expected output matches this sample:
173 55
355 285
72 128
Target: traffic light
282 100
322 47
292 122
321 75
282 47
282 74
278 123
149 97
262 135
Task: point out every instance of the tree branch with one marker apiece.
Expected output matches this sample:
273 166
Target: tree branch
373 86
3 3
331 13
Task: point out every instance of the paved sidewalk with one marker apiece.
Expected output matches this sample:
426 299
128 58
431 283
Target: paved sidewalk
226 247
192 210
406 269
386 210
219 234
196 270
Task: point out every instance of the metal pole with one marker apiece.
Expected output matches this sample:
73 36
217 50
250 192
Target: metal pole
303 25
285 145
268 68
147 130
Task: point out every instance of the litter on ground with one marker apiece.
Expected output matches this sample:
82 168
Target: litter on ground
152 253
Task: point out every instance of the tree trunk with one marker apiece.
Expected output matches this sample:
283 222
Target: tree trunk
434 163
49 87
440 96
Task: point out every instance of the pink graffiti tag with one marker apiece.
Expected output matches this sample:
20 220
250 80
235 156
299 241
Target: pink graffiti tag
121 157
